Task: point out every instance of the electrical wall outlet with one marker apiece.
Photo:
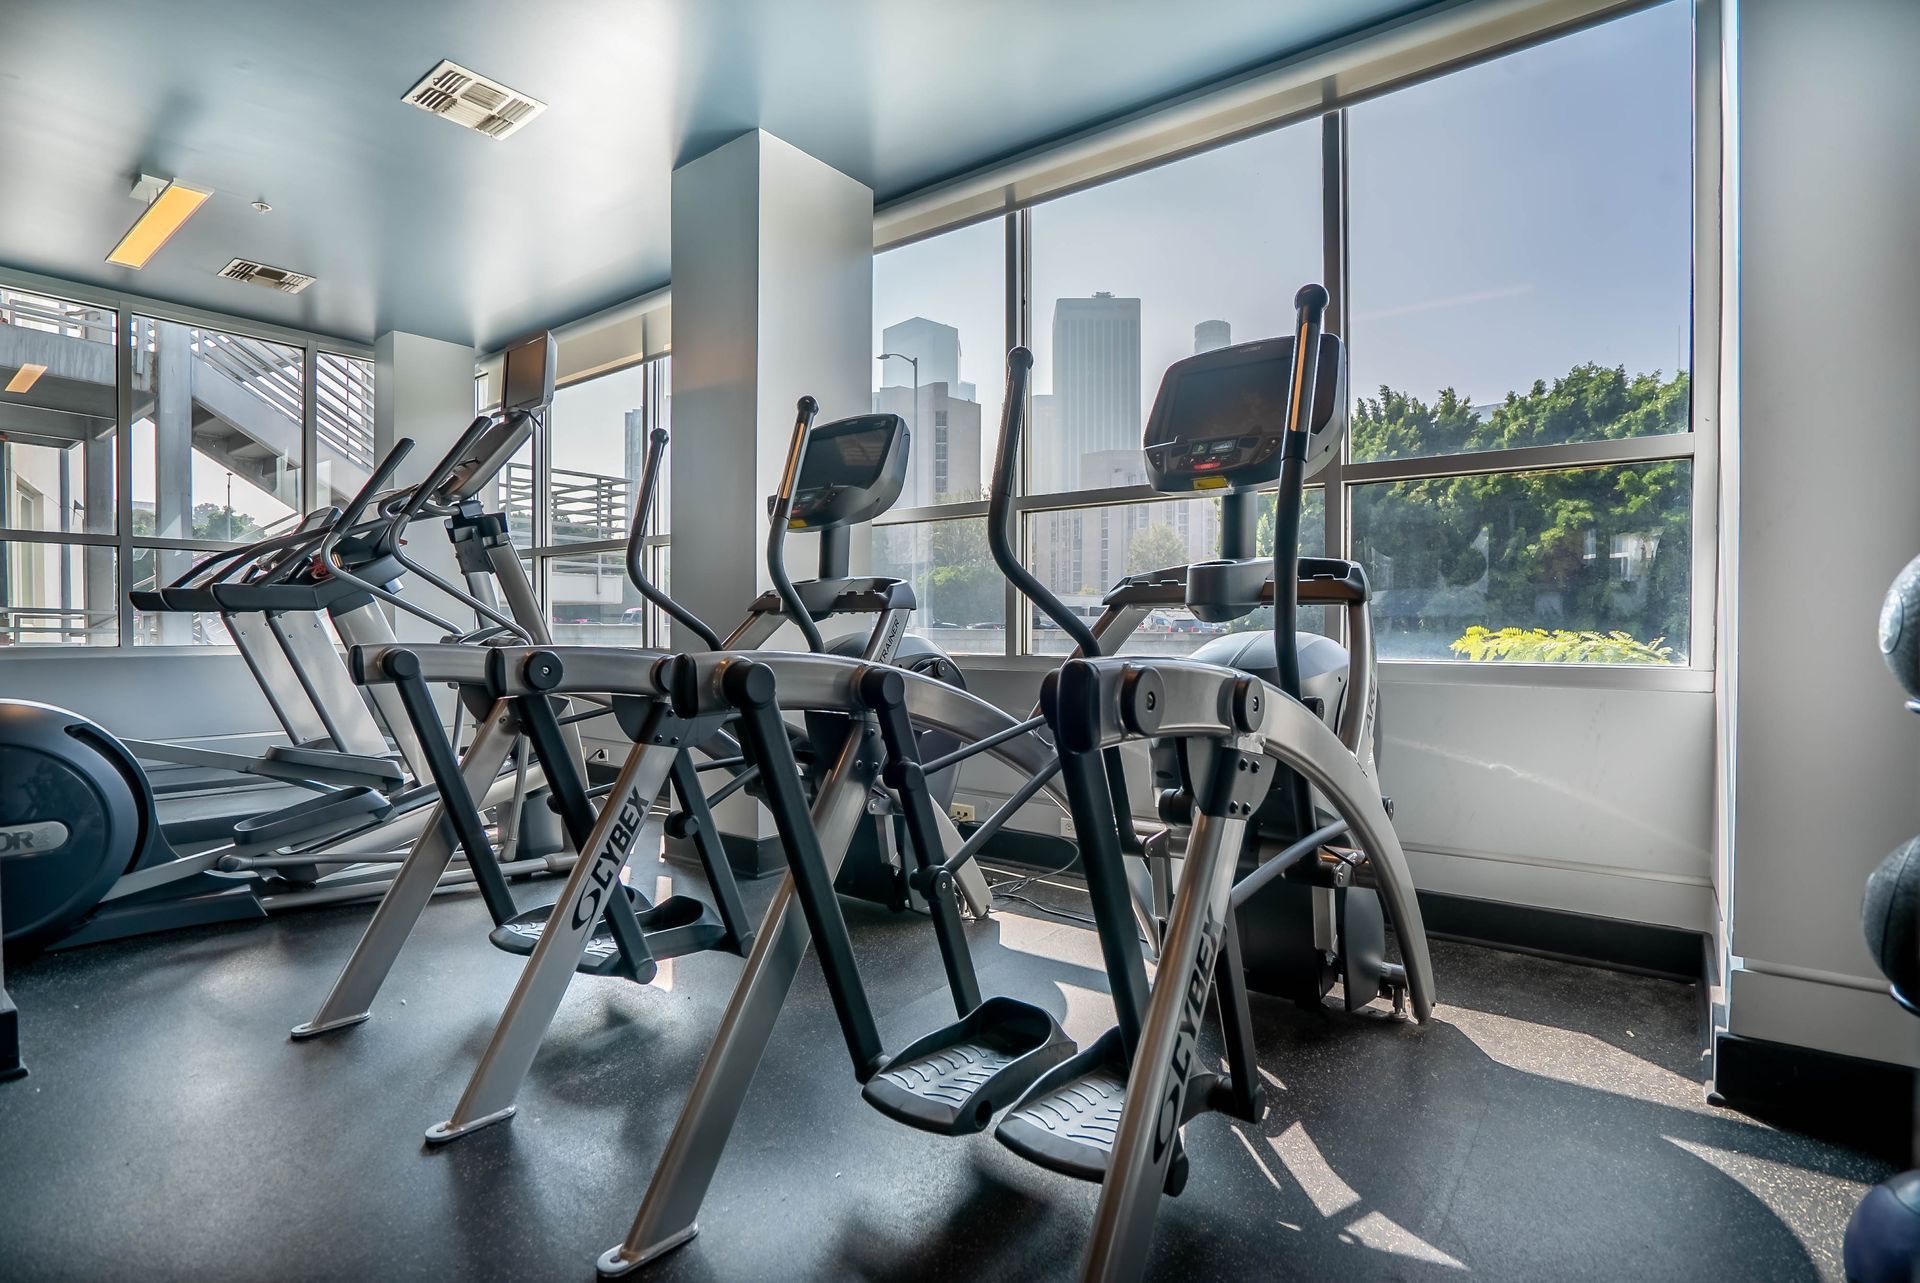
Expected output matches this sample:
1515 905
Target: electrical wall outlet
962 813
1066 827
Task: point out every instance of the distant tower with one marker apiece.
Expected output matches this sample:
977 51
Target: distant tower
945 457
936 346
1096 377
1209 335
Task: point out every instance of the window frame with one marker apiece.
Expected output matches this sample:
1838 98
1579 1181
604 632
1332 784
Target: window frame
542 551
917 218
126 306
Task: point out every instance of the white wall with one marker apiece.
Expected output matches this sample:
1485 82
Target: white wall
1586 797
423 390
138 693
1825 455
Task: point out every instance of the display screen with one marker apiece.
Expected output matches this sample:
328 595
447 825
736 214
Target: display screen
527 381
847 459
1214 407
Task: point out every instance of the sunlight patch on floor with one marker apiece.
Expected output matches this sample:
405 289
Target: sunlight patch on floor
1807 1202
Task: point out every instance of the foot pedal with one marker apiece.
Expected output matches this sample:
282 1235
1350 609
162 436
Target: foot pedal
676 926
955 1079
1068 1120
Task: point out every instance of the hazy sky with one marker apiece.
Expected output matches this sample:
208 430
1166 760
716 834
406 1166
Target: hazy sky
1506 223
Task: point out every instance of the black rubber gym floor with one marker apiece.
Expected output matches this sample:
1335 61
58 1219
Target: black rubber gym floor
1547 1125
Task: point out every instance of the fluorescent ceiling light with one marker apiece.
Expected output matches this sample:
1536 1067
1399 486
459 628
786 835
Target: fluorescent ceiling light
25 377
172 207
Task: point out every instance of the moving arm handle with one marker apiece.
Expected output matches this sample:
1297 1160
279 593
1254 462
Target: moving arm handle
636 545
327 537
1310 309
1000 516
783 513
375 482
431 483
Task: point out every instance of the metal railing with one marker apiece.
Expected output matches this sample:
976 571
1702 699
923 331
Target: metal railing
56 316
587 507
271 373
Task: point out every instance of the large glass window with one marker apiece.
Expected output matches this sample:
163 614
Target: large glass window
1521 246
57 414
940 347
594 447
1133 275
1585 566
226 435
58 417
55 594
1537 294
961 593
599 434
343 424
217 424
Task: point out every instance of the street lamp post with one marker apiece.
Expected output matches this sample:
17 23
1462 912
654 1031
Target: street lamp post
914 361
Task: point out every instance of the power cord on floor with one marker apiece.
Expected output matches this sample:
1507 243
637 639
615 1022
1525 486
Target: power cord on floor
1010 889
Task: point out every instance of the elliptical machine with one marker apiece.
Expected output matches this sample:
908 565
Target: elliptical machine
77 804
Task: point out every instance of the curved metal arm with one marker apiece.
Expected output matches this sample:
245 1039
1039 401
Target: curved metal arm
1310 306
381 474
777 525
438 475
1000 517
636 545
503 621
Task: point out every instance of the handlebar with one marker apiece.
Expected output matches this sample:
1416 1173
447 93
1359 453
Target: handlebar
636 544
1000 518
783 513
376 482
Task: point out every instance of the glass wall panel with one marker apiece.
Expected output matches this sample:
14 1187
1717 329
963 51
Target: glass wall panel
1585 566
217 422
1521 245
1130 276
599 433
343 424
939 317
962 594
57 413
57 594
591 602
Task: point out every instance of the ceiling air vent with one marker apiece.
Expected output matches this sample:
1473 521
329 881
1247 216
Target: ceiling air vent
469 99
273 278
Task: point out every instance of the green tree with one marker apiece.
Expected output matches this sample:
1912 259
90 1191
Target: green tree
964 586
1593 550
1154 548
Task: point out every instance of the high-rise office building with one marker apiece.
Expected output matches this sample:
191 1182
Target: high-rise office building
944 460
1096 378
935 346
1209 335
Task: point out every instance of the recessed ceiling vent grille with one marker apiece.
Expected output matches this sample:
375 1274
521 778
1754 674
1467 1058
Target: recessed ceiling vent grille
470 99
273 278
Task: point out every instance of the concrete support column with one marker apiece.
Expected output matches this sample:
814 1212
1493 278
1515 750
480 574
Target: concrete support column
1820 458
772 299
423 389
